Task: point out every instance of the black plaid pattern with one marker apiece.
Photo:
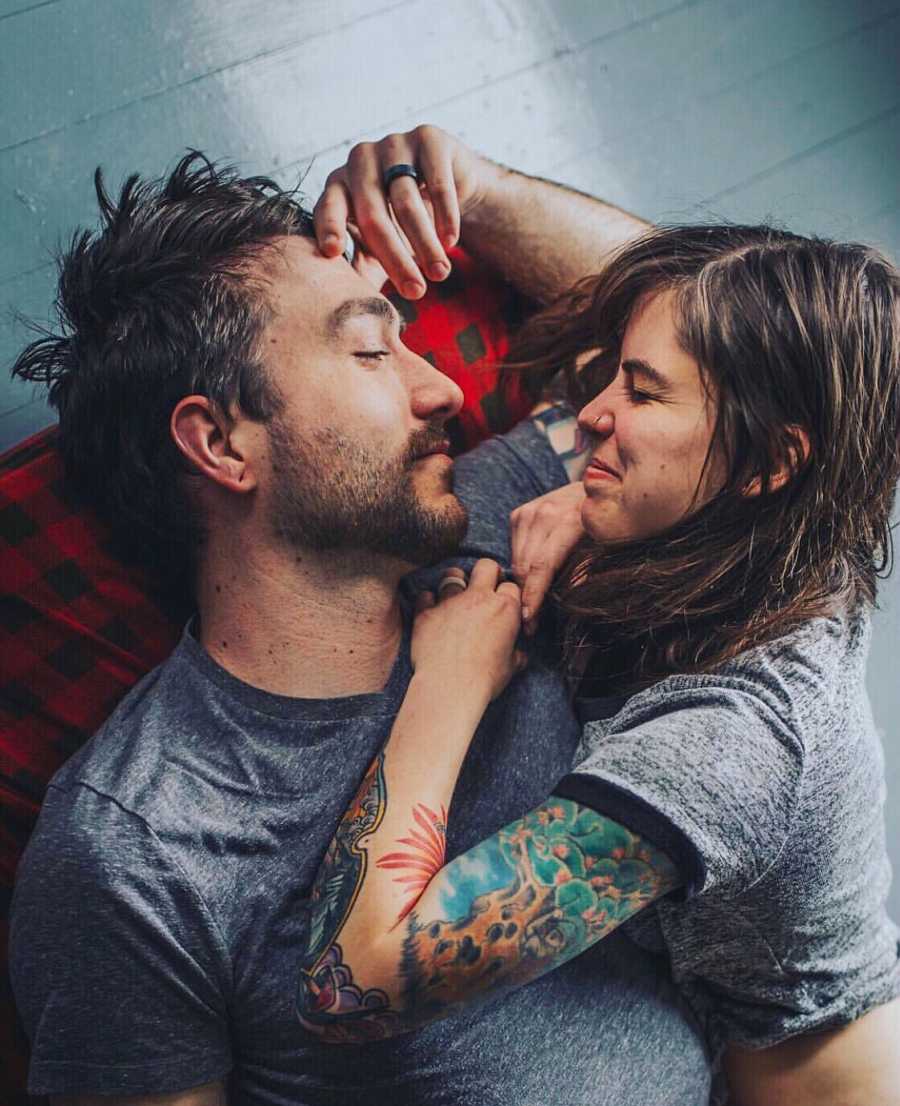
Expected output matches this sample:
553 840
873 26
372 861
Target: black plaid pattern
68 581
71 659
16 524
471 344
15 613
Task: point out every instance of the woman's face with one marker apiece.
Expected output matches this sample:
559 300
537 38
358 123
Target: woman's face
652 427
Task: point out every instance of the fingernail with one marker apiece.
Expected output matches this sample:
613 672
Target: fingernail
439 270
449 239
526 614
412 289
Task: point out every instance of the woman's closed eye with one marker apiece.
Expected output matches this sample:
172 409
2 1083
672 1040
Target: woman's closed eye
371 354
636 395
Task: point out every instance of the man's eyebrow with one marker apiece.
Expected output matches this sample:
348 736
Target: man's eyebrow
370 305
635 365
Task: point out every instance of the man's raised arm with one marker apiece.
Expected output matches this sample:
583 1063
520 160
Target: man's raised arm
541 236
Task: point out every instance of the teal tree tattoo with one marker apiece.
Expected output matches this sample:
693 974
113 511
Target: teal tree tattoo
524 901
521 903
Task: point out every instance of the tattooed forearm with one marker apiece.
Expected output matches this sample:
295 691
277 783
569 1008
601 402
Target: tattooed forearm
328 1001
425 855
545 888
524 901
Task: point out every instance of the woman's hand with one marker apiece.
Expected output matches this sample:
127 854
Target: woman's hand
466 637
542 534
409 227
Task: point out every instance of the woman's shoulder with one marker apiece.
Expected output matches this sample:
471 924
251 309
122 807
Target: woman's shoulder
815 669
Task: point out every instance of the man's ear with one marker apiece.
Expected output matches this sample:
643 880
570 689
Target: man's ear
797 456
209 440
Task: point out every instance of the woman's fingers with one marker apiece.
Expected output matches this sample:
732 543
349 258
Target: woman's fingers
452 583
485 575
424 601
534 591
542 535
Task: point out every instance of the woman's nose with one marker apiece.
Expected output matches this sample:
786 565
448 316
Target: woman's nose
596 420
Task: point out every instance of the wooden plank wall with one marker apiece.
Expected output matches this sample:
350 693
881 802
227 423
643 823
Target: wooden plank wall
676 110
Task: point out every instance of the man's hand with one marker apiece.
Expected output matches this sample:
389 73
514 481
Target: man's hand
409 227
541 236
542 534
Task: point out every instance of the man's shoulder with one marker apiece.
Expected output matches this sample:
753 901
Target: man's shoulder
129 740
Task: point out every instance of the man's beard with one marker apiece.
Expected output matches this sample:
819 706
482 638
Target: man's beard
330 493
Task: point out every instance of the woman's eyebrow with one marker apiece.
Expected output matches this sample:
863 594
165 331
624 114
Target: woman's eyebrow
635 365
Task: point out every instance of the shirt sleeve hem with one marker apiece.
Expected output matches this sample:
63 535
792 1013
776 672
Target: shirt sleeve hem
58 1077
637 815
835 1019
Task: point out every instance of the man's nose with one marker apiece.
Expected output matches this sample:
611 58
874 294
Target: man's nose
433 395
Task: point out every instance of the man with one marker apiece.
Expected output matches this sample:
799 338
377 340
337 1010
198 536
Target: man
239 402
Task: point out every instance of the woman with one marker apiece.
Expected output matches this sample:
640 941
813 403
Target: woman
740 392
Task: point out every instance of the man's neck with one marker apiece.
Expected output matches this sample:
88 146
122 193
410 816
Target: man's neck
306 625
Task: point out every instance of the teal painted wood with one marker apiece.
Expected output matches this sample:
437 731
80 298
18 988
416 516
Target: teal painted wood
10 8
140 49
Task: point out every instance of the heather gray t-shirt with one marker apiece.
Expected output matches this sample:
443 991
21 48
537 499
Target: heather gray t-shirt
765 781
159 908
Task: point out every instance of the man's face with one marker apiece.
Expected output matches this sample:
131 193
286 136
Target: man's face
358 456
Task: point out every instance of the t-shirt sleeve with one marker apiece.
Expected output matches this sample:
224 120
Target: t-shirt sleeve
706 771
492 480
118 971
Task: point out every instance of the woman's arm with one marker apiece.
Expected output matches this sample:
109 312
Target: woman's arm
397 938
856 1065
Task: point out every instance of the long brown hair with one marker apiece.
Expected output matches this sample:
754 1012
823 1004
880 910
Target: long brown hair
788 332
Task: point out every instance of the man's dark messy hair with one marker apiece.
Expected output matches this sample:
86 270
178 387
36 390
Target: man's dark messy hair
155 305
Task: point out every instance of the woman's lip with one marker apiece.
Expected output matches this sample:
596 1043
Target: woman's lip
597 469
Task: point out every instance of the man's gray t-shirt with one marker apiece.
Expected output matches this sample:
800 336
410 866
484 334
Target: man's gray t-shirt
159 908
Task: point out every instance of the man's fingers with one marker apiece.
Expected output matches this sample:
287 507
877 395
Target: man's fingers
330 216
415 222
436 166
413 217
373 218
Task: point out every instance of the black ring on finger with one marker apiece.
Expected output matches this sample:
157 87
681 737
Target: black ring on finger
395 171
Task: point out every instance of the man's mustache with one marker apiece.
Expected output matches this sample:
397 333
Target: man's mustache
426 440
